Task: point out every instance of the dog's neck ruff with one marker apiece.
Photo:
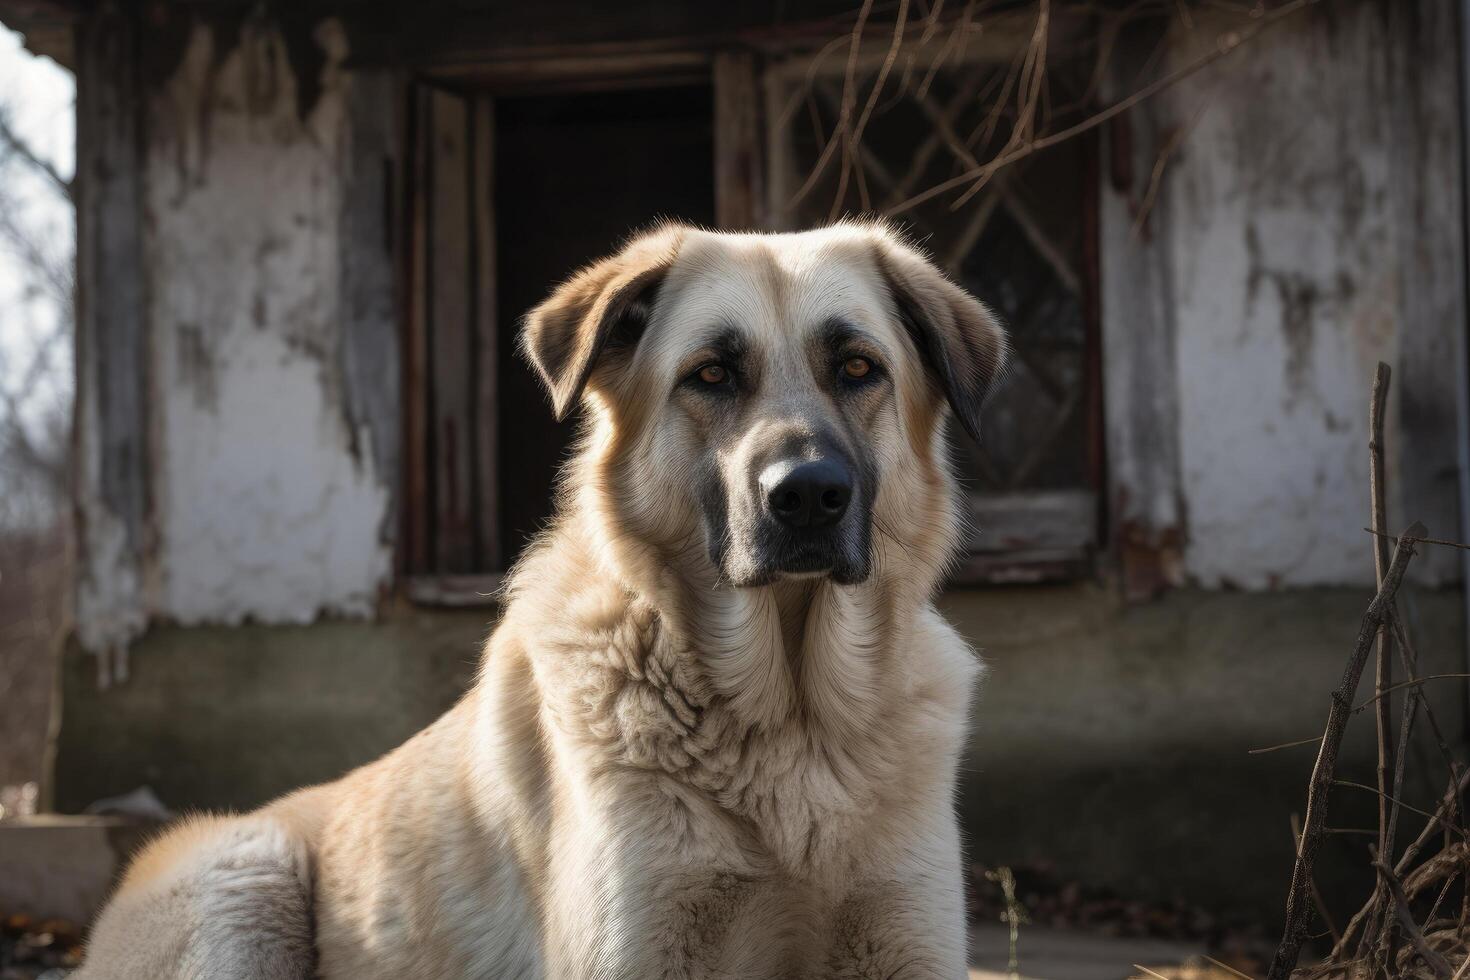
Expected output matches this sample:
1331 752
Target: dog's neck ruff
805 651
670 670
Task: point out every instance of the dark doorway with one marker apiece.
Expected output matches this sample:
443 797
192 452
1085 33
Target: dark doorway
574 175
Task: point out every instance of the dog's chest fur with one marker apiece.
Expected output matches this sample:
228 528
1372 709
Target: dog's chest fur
718 819
633 698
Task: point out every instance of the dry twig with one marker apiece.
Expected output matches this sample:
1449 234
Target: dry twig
13 142
1377 491
1439 541
1324 771
1391 799
1019 150
1448 804
1442 867
855 134
1400 902
1296 840
1383 674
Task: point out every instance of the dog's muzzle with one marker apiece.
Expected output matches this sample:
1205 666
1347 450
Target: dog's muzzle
807 496
813 519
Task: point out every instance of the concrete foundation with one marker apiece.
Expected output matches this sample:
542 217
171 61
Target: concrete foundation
1112 742
231 717
1109 741
64 867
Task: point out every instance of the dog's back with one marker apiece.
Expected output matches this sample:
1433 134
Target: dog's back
393 871
218 898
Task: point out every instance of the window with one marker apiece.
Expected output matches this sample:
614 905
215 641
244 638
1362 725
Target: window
1025 243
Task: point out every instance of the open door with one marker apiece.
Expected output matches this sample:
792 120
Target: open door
508 197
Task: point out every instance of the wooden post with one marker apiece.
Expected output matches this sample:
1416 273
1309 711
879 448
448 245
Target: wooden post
451 361
739 160
112 337
414 258
486 409
451 342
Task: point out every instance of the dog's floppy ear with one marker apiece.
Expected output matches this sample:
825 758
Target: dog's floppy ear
961 341
565 335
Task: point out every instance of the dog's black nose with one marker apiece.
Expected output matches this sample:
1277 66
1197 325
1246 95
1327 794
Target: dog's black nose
807 494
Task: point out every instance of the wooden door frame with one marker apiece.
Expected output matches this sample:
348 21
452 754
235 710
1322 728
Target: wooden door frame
733 75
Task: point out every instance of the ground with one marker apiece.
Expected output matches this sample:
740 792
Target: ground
46 950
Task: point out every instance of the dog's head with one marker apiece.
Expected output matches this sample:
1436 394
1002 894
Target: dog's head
771 403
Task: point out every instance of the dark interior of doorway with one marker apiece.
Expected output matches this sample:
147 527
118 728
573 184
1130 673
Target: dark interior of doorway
574 175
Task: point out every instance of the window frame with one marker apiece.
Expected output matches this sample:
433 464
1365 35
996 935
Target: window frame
1027 536
1011 536
431 567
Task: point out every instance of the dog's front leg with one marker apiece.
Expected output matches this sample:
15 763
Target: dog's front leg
904 918
892 931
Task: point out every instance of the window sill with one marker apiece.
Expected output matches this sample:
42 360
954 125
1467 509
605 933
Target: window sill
455 591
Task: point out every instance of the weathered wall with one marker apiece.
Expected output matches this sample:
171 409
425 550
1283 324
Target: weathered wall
269 404
1307 225
238 416
269 505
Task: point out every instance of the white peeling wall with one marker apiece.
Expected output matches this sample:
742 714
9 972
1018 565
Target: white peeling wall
263 509
1304 243
267 502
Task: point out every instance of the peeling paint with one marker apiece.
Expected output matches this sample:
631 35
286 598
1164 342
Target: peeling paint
196 365
264 512
1288 269
267 506
110 602
1297 296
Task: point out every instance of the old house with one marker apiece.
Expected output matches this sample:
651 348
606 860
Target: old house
306 449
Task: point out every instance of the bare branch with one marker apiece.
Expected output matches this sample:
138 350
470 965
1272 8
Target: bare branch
1410 659
1412 809
34 447
1383 677
1324 771
1161 164
1314 740
1439 541
52 272
1416 682
855 135
13 141
1225 46
1296 843
1411 709
1444 866
1448 805
849 98
1429 954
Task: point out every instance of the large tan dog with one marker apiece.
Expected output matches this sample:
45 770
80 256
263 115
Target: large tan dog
716 732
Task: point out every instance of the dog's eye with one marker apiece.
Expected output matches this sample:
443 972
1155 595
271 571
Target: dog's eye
857 368
714 374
